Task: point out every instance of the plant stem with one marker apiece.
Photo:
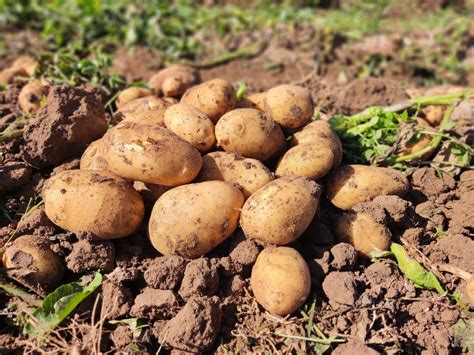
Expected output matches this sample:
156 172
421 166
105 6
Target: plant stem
246 52
435 141
9 135
314 340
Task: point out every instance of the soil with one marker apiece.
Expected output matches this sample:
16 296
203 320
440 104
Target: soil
206 305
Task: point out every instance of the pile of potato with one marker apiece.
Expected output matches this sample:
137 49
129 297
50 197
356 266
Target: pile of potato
202 166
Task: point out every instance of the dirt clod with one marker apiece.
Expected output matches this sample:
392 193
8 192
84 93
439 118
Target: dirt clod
14 175
70 120
165 272
340 288
245 252
354 347
117 300
195 327
200 279
36 223
344 257
152 303
432 183
89 255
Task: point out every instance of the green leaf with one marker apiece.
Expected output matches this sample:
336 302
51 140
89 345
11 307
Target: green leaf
416 273
464 335
241 91
58 305
134 324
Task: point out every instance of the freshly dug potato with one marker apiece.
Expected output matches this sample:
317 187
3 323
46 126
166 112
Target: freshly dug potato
280 280
143 104
290 105
31 95
151 154
33 262
313 161
249 174
175 80
191 125
93 157
470 290
281 210
351 184
98 202
26 63
210 210
214 98
8 75
320 132
152 117
363 232
250 133
256 101
131 94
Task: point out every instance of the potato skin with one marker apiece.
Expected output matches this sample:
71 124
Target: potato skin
34 253
141 105
250 133
256 101
26 63
151 154
289 105
93 157
351 184
320 132
211 210
131 94
280 211
175 80
31 95
249 174
363 232
214 98
152 117
313 161
191 125
280 280
93 201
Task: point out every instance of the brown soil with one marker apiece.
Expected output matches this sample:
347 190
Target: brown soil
206 305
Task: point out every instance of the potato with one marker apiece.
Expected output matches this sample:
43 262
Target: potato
141 105
280 280
31 95
248 174
256 101
290 105
151 154
320 132
470 290
313 161
351 184
175 80
280 211
191 125
192 220
33 262
250 133
363 232
131 94
152 117
8 75
214 98
93 157
26 63
423 141
93 201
